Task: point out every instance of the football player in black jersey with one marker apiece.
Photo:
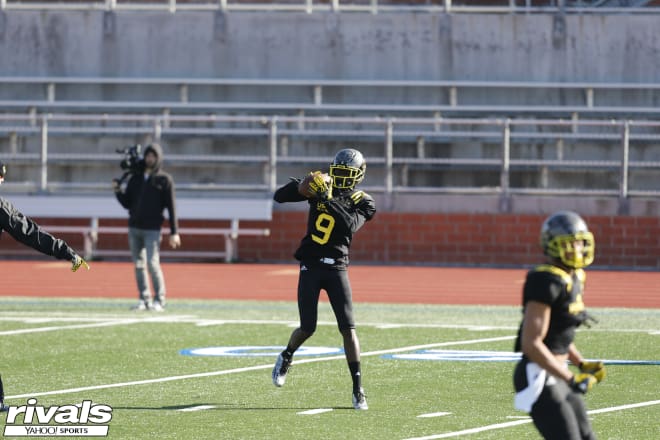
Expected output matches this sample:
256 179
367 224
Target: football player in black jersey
24 230
336 212
552 310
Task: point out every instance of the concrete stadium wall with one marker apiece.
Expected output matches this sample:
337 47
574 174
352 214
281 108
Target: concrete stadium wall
411 46
420 46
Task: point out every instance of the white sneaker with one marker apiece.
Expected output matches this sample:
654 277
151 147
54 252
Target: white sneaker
280 370
140 306
157 306
360 400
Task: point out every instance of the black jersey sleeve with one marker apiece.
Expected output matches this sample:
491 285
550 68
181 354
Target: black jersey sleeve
289 193
543 287
354 209
26 231
367 206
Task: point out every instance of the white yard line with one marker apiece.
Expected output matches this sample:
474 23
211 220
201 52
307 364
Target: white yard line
622 407
522 422
253 368
68 327
203 322
95 322
141 382
472 431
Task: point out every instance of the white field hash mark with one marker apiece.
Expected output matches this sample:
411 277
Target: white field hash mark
196 408
435 414
314 411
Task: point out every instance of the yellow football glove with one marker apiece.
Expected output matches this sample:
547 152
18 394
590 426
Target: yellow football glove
320 187
78 261
583 382
597 369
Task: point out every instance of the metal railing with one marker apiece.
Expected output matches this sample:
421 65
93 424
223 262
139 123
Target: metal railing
441 96
320 6
391 133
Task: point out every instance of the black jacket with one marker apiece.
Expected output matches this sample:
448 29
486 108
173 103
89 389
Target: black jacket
146 199
26 231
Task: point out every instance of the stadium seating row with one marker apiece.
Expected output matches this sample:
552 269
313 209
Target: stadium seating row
319 96
251 154
372 6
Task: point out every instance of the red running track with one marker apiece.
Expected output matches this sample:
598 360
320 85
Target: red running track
385 284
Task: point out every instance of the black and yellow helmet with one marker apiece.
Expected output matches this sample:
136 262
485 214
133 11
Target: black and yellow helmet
559 233
347 169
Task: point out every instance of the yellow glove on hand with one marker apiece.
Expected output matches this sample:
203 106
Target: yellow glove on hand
78 261
320 186
583 382
597 369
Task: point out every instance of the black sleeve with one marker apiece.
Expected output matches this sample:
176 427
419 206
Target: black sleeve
124 197
367 206
543 287
289 193
26 231
354 209
170 204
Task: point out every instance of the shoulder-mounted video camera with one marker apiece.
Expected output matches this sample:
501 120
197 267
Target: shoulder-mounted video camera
133 162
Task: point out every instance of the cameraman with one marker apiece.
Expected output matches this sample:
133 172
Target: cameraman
148 191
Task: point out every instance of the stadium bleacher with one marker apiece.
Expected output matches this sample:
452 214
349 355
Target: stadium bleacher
75 152
371 6
422 136
325 96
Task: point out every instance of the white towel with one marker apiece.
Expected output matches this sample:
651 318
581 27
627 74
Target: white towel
536 380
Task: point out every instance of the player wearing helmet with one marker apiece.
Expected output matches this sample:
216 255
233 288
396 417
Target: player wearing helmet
336 212
552 310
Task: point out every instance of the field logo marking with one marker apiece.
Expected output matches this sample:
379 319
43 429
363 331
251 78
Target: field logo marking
257 351
85 420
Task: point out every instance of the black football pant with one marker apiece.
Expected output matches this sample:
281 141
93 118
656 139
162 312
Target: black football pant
336 284
560 414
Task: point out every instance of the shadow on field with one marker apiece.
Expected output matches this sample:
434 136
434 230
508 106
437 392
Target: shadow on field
193 407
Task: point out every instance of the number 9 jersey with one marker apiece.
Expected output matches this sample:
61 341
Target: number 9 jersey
330 224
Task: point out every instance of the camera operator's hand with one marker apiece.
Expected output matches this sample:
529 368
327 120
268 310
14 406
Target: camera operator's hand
116 187
175 241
